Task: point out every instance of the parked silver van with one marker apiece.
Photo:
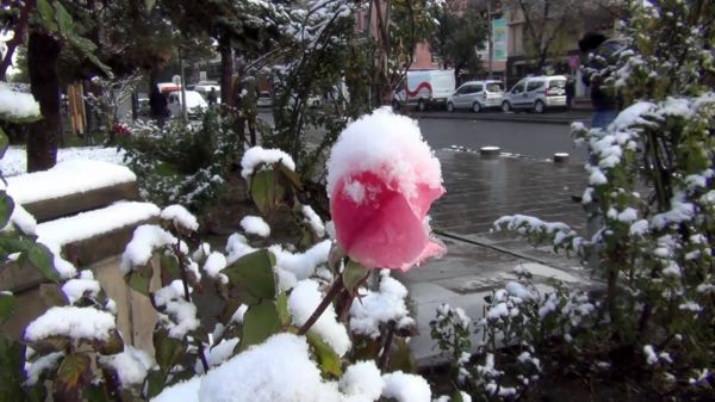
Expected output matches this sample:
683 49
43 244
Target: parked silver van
537 94
477 95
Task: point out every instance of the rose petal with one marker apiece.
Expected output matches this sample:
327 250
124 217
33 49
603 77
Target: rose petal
378 227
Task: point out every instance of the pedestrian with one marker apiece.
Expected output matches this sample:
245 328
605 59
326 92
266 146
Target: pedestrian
601 53
159 106
212 96
570 90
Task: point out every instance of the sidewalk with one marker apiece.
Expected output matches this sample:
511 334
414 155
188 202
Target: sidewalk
478 262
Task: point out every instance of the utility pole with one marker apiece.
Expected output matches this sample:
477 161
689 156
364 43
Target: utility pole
489 36
183 86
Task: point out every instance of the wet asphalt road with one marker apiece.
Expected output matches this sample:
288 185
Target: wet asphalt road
534 140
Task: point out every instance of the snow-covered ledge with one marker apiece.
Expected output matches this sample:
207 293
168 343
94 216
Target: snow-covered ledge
71 187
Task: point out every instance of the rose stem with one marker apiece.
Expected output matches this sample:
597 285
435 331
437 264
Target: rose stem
335 289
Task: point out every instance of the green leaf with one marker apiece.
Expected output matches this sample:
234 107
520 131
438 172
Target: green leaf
41 258
353 275
253 274
54 343
47 15
140 278
72 376
156 381
260 322
169 268
329 361
7 306
266 192
289 175
168 350
456 396
4 142
86 48
11 370
63 19
7 205
52 295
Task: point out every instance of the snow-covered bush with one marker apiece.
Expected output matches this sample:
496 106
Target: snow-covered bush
650 191
183 163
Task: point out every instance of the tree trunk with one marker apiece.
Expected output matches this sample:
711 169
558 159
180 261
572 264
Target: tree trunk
42 53
226 69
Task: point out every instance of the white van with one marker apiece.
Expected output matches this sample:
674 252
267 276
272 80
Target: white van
425 88
477 96
194 102
537 94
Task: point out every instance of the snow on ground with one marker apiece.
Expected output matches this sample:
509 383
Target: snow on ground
15 160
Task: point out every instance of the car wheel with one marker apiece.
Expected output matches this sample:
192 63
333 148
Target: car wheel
421 105
506 107
476 107
539 107
450 107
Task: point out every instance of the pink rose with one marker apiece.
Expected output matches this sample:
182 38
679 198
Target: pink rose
382 180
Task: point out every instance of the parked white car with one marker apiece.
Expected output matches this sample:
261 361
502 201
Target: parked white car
194 102
477 96
425 88
537 94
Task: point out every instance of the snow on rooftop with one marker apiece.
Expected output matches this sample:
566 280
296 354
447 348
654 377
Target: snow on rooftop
387 143
16 104
71 177
14 162
256 156
86 225
73 322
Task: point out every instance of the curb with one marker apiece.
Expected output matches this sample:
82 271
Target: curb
508 117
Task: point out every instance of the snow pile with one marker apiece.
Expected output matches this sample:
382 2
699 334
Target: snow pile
180 217
185 391
380 307
89 224
279 369
255 225
256 156
17 105
131 366
180 317
62 180
302 302
406 387
237 246
145 240
214 264
293 267
391 138
75 289
73 322
362 380
14 162
314 221
23 220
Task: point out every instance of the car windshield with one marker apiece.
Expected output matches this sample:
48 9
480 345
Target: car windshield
495 87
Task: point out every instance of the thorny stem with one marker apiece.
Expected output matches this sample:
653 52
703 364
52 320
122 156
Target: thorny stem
385 357
187 296
334 290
